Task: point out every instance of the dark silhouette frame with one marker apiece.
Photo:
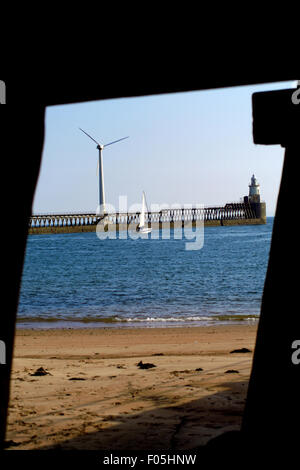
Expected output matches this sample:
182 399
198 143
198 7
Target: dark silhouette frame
272 407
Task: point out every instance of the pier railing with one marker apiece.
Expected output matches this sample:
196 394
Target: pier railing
228 212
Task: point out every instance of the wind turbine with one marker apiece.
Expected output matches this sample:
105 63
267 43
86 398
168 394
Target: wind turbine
100 147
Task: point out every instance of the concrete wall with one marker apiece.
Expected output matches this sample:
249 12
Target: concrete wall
259 209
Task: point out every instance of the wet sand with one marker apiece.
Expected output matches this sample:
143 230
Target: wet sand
96 397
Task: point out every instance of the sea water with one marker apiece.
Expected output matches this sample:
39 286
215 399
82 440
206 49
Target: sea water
78 280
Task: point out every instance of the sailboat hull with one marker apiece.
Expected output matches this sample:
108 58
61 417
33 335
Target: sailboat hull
144 230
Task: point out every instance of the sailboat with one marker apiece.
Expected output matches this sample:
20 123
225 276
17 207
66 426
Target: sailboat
141 227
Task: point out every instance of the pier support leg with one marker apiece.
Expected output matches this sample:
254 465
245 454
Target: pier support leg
272 413
21 178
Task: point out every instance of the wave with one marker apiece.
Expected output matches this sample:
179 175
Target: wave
147 320
39 319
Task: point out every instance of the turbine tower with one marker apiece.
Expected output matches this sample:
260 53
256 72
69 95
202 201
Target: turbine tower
100 147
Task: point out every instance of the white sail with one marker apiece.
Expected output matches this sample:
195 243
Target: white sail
142 215
144 210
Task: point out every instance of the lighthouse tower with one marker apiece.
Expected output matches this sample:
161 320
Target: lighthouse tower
254 190
258 208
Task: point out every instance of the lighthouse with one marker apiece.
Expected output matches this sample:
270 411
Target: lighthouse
254 190
253 200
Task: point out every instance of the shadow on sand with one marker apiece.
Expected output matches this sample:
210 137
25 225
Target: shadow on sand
166 426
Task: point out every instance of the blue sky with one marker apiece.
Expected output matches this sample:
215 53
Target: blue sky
184 148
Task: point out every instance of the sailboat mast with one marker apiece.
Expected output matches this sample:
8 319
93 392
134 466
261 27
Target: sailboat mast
142 215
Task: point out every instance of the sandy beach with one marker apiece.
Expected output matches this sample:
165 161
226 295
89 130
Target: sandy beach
95 396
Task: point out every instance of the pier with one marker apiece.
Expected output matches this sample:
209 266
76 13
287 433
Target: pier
245 213
249 212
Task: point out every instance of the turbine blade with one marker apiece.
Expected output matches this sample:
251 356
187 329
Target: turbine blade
105 145
89 136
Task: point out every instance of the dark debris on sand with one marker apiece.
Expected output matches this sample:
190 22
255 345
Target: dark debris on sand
146 365
10 443
40 371
242 350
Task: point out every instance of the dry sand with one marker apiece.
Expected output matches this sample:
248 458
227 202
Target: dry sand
97 398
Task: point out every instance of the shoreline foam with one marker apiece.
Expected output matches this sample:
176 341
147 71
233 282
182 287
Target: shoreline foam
135 322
